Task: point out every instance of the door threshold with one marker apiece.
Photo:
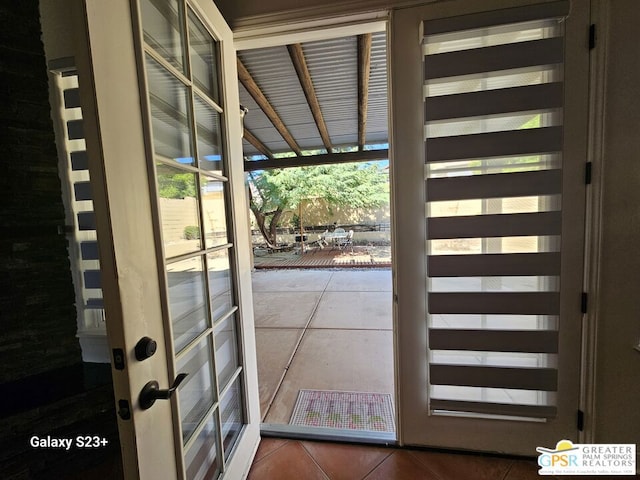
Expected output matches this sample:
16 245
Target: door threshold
297 432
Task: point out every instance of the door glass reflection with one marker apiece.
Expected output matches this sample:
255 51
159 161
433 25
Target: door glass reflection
161 24
179 210
213 212
196 392
201 460
169 101
231 414
202 51
226 350
187 300
220 283
209 136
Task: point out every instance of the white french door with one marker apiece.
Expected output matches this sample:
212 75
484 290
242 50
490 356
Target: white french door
489 107
160 96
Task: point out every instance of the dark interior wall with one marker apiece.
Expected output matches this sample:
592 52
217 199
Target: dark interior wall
45 389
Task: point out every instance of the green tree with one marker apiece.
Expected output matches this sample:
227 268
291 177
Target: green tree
272 192
176 185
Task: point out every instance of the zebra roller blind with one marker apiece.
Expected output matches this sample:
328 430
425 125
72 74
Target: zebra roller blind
493 106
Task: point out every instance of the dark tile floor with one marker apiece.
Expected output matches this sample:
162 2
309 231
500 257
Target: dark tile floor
293 459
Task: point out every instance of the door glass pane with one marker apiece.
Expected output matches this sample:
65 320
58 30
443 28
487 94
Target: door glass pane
161 22
179 210
202 51
231 414
169 99
201 459
226 350
214 212
220 283
209 136
196 392
187 300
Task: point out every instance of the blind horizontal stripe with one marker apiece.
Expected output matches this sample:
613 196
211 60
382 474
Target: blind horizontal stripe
72 98
523 341
533 411
96 303
493 102
496 185
92 279
546 51
82 191
495 144
545 379
494 264
89 250
79 160
497 303
499 225
86 221
75 129
496 17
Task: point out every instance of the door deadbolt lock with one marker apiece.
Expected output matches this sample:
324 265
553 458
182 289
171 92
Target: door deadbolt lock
145 348
151 392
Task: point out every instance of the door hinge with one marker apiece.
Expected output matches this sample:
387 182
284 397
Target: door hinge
583 302
592 36
580 420
587 173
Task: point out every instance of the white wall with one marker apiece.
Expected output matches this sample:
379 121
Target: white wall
618 295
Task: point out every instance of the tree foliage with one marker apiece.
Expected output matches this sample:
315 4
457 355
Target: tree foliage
176 185
272 192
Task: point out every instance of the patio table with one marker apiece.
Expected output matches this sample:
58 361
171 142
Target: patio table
334 237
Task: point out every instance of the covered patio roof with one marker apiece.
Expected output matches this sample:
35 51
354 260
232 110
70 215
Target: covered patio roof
315 102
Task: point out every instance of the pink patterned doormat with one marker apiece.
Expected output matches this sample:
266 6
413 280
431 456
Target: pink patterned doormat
345 410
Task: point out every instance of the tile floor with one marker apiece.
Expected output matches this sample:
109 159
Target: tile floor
307 324
293 460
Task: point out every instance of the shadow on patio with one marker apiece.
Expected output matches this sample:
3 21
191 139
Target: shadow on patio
321 329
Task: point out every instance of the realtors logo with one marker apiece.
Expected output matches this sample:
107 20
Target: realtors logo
587 459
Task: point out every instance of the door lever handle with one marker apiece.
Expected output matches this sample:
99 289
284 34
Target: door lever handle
151 391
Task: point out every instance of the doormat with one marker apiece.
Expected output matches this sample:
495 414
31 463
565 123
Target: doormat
345 410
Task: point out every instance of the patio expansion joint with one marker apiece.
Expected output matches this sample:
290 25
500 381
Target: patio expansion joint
296 347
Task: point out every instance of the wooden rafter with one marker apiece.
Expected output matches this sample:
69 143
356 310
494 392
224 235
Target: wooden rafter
253 140
252 87
364 66
300 64
344 157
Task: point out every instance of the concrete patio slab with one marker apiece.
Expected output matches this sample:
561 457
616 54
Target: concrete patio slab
274 348
373 280
354 310
284 309
346 360
290 280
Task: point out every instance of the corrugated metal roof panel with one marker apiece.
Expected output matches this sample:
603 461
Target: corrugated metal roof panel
333 66
377 109
272 70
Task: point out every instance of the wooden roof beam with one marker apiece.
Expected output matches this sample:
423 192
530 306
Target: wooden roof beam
300 64
364 67
323 159
254 90
253 140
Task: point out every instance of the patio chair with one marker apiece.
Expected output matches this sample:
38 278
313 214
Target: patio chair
347 241
322 241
